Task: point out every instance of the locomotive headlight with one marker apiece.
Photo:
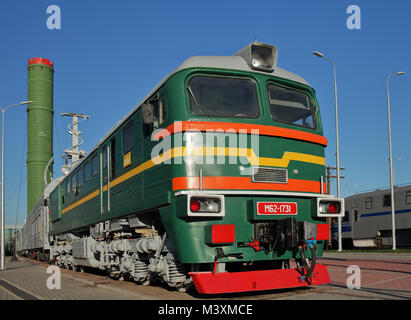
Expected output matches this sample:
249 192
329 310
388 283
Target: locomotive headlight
259 56
212 205
262 57
205 205
199 204
330 207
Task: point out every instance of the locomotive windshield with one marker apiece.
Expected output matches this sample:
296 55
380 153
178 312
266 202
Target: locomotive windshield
291 106
223 97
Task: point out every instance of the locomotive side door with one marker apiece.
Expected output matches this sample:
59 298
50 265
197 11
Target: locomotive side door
105 179
107 174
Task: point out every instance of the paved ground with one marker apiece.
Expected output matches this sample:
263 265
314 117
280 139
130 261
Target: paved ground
383 276
27 280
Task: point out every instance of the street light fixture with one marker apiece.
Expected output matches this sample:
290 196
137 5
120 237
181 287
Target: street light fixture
3 110
394 242
320 55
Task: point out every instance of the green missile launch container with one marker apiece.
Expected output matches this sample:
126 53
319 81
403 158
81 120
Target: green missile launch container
40 127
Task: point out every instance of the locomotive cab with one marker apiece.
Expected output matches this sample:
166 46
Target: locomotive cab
247 166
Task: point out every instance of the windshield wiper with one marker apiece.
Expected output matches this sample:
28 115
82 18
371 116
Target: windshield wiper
194 98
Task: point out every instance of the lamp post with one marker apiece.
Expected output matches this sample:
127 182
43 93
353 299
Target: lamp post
320 55
394 242
3 110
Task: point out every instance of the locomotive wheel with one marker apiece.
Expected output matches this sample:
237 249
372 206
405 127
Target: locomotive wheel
186 287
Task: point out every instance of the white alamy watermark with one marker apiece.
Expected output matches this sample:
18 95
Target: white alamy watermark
354 281
216 146
54 281
354 19
54 20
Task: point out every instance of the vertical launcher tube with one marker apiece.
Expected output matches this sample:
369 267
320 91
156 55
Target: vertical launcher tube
40 127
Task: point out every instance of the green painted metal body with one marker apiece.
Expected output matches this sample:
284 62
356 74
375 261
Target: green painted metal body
152 187
40 129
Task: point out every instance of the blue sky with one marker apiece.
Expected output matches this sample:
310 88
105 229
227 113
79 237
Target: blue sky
109 54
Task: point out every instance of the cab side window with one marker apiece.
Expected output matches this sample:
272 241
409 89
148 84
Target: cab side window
159 112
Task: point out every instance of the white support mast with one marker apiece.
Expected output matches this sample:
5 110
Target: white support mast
74 153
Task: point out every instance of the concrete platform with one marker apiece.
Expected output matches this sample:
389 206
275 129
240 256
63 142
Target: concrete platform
26 280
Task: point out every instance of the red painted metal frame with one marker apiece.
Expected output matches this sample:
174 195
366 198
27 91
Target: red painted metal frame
222 233
323 231
229 282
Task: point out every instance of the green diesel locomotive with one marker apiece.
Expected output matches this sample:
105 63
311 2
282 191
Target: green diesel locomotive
215 179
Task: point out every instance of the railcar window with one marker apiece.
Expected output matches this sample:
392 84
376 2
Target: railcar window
368 203
386 200
356 215
113 157
105 158
162 110
73 183
223 97
346 217
80 177
408 197
87 171
95 166
291 106
128 137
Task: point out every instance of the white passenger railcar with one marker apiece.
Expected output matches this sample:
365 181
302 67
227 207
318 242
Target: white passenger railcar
368 219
